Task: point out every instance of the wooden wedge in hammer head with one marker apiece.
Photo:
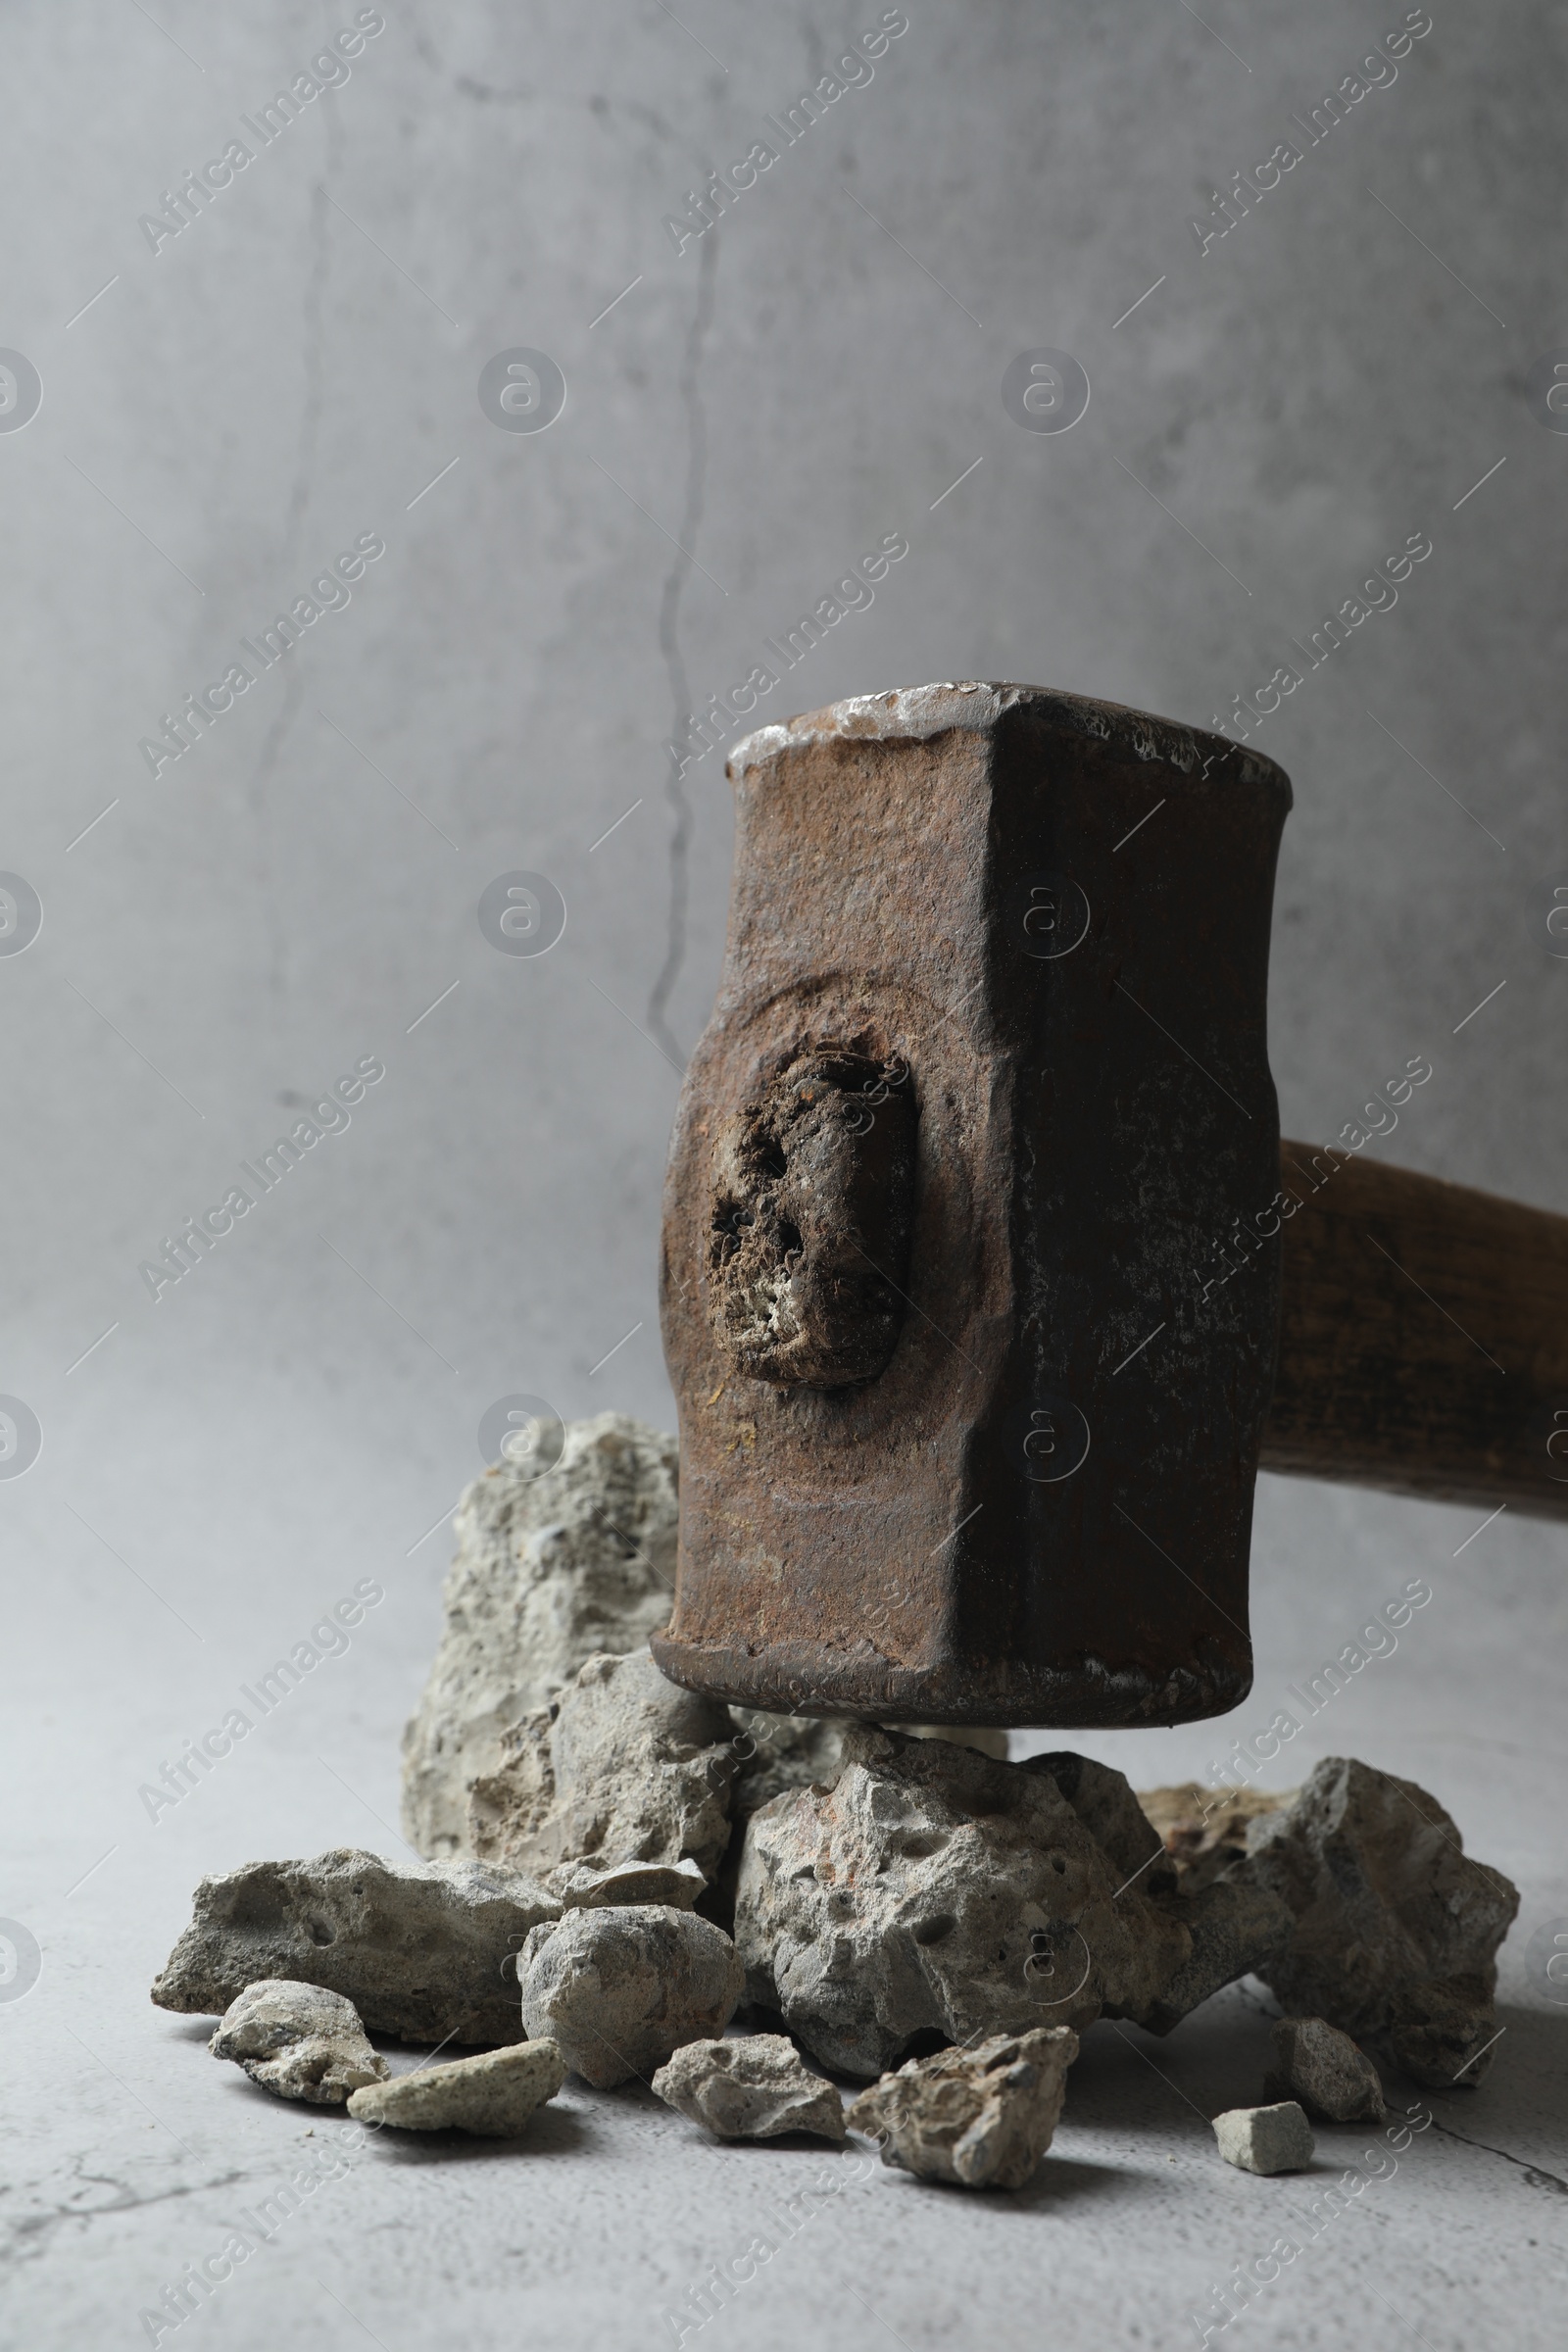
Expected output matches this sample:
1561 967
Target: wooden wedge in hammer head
975 1226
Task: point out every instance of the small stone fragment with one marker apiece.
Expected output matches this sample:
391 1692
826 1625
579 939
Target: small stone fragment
1322 2069
931 1888
418 1947
1205 1830
1265 2140
298 2041
981 2116
752 2088
548 1569
584 1886
620 1989
493 2094
1235 1931
1396 1930
622 1766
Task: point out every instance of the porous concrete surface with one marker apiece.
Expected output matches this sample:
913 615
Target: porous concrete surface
548 1569
1106 1803
422 1950
980 2115
622 1766
270 1433
933 1890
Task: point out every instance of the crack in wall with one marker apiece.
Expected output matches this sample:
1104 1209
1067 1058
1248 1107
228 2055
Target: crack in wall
494 93
680 839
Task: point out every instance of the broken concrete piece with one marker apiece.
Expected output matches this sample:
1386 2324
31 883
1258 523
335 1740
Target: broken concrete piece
585 1885
932 1888
1439 2029
1205 1830
784 1751
548 1571
1102 1799
1321 2067
493 2094
1397 1931
418 1947
752 2088
775 1752
1265 2140
981 2116
620 1989
298 2041
622 1766
1234 1931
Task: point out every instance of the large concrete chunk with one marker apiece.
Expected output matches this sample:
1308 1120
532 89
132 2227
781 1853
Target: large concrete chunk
1205 1830
618 1991
493 2094
934 1889
548 1570
620 1767
1102 1799
1234 1930
779 1752
755 2086
1441 2029
422 1950
1396 1930
298 2041
980 2117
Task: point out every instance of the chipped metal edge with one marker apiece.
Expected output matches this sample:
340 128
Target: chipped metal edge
917 712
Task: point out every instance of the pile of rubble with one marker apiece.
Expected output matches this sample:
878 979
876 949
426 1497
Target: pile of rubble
618 1868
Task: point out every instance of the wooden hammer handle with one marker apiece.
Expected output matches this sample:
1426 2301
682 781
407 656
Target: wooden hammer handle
1423 1338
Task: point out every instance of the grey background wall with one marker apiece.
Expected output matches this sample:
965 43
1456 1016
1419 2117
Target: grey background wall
299 366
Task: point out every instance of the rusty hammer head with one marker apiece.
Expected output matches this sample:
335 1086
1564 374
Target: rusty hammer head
985 1086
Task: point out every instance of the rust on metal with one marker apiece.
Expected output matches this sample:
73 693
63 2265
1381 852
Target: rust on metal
985 1085
813 1196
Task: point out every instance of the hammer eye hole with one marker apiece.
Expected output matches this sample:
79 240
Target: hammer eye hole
813 1206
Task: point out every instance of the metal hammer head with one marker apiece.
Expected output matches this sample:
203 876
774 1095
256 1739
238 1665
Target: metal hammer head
985 1085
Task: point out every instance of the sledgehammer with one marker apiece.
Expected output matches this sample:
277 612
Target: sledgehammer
986 1282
